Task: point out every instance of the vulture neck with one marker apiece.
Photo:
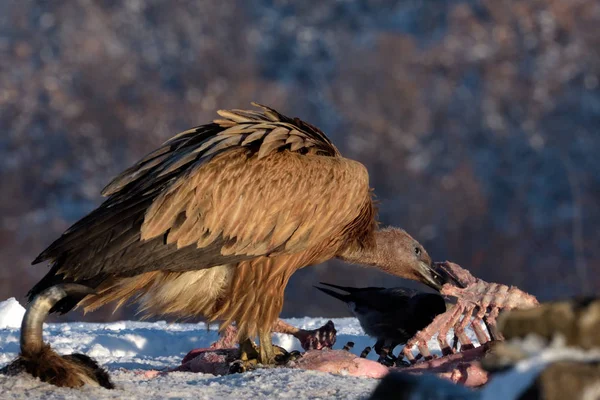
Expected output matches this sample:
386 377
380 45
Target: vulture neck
383 254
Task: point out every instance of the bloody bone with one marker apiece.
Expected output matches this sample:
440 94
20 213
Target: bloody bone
477 299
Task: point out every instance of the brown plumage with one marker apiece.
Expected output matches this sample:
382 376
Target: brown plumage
216 220
39 360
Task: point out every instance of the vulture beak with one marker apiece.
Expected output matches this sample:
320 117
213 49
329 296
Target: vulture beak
435 276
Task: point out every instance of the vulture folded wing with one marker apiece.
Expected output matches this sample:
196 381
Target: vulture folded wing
253 183
283 203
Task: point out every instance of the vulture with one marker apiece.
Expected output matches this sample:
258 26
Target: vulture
39 360
215 221
392 315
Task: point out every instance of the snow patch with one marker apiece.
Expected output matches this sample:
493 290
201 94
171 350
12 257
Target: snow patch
11 314
126 348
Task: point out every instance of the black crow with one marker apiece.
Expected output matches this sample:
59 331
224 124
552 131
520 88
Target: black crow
391 315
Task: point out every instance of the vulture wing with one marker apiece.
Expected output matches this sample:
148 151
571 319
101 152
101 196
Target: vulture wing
250 184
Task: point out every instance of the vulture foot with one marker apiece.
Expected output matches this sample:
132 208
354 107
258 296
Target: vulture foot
478 303
266 355
316 339
248 357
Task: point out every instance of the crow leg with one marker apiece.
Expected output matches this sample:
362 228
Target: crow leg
348 346
386 355
365 352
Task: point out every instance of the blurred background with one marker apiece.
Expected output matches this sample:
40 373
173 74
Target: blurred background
478 120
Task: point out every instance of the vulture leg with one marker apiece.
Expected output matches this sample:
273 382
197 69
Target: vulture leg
267 352
315 339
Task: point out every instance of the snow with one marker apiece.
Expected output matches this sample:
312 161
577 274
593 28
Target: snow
127 348
259 384
11 313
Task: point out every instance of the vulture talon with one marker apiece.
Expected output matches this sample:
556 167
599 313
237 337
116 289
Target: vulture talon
251 356
284 356
239 366
294 355
248 351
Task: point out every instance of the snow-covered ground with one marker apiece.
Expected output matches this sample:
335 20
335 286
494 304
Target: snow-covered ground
126 348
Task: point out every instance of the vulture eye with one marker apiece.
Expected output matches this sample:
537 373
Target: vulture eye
417 251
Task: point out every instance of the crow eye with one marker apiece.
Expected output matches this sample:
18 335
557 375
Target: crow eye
417 251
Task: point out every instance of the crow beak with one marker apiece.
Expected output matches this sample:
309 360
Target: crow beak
435 276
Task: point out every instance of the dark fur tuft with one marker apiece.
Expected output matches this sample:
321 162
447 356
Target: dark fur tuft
74 370
39 360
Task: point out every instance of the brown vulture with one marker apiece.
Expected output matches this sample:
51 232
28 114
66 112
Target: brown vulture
215 221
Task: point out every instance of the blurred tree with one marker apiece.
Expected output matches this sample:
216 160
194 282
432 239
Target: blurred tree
478 120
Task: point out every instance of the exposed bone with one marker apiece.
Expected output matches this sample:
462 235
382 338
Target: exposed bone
478 299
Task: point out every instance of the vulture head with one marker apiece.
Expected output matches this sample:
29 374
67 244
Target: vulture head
410 260
397 253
